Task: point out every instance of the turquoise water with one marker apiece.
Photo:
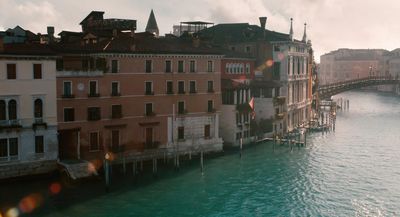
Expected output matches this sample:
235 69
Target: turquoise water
354 171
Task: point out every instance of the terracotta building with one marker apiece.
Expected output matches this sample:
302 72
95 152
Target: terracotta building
132 92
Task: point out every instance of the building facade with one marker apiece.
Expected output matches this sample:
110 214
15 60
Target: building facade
28 113
236 113
134 93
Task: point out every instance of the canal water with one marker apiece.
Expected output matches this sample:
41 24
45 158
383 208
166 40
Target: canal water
354 171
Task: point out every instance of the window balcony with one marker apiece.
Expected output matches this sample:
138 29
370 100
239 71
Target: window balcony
9 124
280 116
182 112
37 122
181 92
192 91
80 73
170 92
210 91
211 110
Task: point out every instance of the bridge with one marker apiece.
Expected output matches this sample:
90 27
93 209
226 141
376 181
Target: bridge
328 90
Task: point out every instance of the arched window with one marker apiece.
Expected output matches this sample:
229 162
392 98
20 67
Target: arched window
2 110
38 108
12 110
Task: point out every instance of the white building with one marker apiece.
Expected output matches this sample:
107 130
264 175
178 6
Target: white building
292 63
28 120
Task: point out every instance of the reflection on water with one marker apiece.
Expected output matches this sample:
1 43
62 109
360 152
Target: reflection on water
351 172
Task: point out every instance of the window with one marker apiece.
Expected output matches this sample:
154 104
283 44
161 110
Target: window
39 144
210 66
246 117
114 66
238 136
248 49
93 89
210 86
67 89
12 110
181 68
210 106
148 66
116 111
59 64
247 68
38 108
11 71
181 107
149 88
94 141
168 66
238 119
9 149
170 87
115 138
207 131
192 86
181 133
192 67
149 109
37 71
115 88
3 111
181 87
277 48
277 70
69 114
94 113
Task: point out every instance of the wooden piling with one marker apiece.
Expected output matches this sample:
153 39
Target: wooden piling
201 162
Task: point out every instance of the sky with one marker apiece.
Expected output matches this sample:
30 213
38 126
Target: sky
331 24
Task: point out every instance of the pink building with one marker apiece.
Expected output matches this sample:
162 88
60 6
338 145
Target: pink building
133 93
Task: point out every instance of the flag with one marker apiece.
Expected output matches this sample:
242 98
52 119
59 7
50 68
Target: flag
251 104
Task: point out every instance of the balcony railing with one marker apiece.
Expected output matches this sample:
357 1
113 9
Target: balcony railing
115 94
150 114
149 93
80 73
10 123
279 116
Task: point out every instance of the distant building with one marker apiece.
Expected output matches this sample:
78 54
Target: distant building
18 35
28 113
348 64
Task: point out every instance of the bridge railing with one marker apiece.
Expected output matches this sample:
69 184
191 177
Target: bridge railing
357 81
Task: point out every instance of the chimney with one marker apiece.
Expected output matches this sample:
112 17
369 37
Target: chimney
263 21
132 32
50 33
1 45
115 33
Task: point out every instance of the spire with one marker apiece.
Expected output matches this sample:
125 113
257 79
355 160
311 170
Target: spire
305 33
291 29
152 24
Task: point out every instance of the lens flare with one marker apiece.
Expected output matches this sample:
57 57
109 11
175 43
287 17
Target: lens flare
30 203
55 188
269 63
13 212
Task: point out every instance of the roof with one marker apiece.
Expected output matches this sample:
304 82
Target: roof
93 13
35 49
151 23
141 43
196 23
240 32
